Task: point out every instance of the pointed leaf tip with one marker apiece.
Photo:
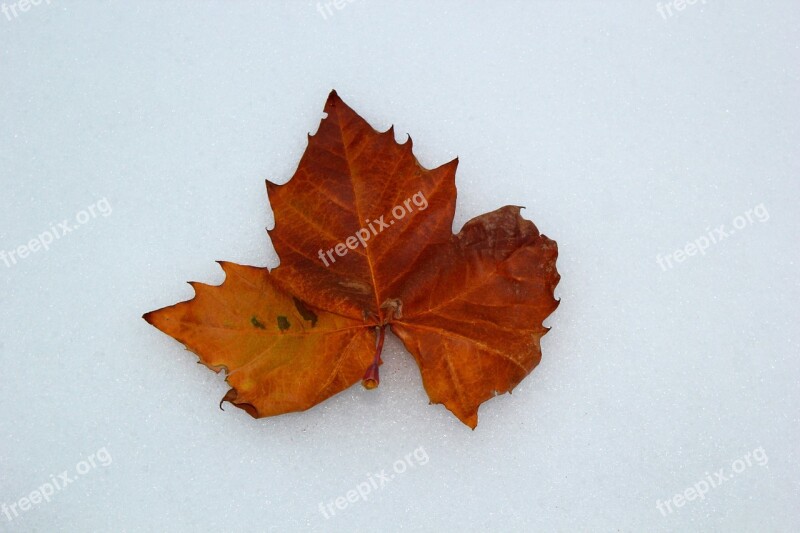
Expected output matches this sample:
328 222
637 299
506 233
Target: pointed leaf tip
333 99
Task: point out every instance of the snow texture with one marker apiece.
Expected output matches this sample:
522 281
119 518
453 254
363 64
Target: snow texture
628 131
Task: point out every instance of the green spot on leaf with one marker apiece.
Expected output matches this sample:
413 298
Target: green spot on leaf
256 323
283 323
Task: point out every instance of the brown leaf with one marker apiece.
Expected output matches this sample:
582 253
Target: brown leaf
279 355
364 237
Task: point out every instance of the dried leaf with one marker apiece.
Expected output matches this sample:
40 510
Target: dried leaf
364 237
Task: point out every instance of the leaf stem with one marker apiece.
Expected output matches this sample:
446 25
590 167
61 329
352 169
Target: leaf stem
372 376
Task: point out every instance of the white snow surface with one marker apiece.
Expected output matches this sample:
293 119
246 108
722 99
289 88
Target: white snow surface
626 131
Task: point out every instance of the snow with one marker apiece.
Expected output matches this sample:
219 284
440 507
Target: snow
627 134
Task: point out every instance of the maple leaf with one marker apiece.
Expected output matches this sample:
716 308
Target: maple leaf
363 233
